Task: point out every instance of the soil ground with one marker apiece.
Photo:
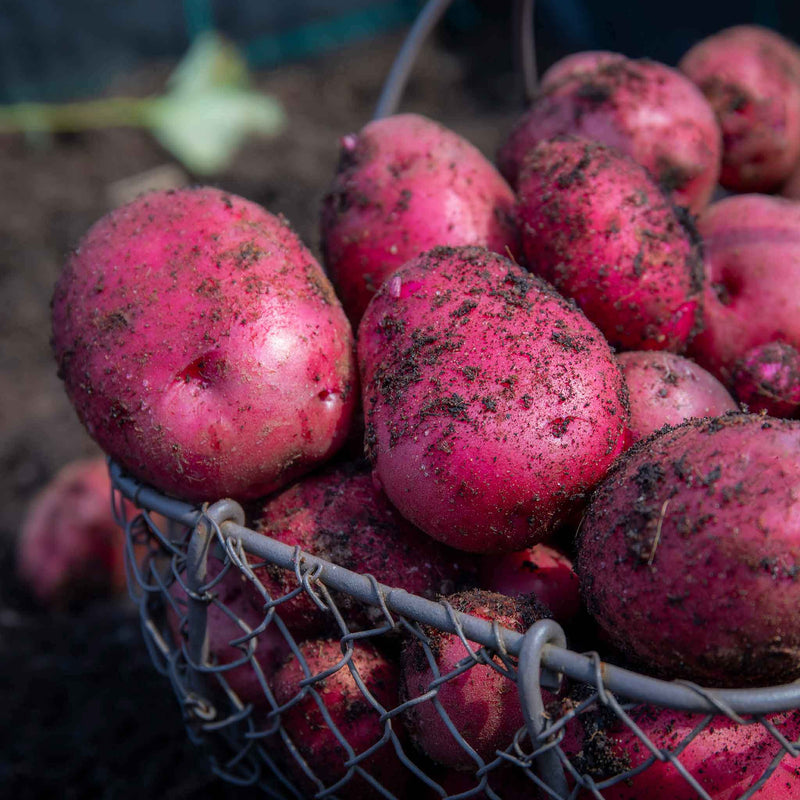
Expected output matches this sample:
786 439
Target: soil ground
82 712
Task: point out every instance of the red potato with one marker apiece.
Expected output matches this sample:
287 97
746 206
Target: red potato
203 347
689 552
752 291
482 703
71 548
648 110
725 758
751 77
768 379
341 516
355 718
596 226
406 184
668 389
486 453
229 618
541 570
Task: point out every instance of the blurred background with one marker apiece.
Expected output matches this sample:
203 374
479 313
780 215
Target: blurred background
82 714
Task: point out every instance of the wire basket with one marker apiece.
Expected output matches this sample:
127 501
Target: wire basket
178 558
229 663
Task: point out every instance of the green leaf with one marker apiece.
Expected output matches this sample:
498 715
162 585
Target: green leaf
209 110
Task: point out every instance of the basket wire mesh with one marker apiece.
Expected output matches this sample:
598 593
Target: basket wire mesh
178 559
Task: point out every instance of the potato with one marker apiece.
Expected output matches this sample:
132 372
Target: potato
405 184
645 109
340 515
668 389
726 758
71 548
482 703
767 379
203 347
752 291
751 77
595 224
493 405
689 553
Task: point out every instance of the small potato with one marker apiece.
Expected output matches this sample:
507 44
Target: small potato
343 705
71 548
341 516
482 703
492 404
668 389
724 757
767 379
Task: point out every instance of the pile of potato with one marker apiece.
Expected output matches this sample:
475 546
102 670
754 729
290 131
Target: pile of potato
574 356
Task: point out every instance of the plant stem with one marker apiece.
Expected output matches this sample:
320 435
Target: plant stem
67 117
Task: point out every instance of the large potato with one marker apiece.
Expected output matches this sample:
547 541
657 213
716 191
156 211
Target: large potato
202 345
689 554
492 403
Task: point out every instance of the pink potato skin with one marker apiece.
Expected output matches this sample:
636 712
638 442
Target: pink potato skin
541 570
341 516
645 109
482 704
596 226
767 379
752 290
725 758
751 77
668 389
689 554
356 719
71 548
406 184
203 347
492 404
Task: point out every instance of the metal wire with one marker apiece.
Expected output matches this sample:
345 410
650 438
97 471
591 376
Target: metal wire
245 736
396 81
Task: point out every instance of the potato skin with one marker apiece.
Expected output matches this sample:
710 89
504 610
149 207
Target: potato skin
492 403
595 224
202 345
689 553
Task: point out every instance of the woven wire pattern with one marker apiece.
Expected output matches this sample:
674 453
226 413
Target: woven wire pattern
180 574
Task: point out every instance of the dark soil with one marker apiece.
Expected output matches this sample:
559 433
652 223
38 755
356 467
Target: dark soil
82 712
